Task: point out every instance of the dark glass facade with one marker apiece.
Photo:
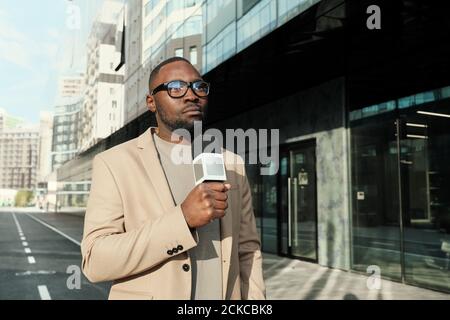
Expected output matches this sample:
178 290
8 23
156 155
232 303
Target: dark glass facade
401 188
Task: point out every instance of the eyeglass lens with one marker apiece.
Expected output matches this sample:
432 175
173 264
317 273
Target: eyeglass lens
179 88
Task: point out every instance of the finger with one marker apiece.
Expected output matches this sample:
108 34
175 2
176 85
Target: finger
220 205
220 196
216 186
219 214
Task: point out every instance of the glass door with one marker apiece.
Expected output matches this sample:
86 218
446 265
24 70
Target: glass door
299 224
401 195
425 182
375 197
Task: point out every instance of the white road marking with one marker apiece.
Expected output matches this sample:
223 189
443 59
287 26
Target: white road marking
54 229
25 244
23 238
39 272
27 250
31 260
17 223
43 292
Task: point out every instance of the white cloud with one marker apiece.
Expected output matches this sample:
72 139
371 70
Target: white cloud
21 49
12 44
14 52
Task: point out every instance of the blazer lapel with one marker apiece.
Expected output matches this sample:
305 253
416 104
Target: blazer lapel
150 161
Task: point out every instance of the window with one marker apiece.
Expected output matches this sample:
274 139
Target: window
214 8
248 4
179 52
256 23
193 26
221 47
148 31
114 104
190 3
149 6
174 5
193 55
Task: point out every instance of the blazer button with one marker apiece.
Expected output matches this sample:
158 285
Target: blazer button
169 252
174 250
180 247
186 267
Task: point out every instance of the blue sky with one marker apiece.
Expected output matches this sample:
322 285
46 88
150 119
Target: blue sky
36 46
31 36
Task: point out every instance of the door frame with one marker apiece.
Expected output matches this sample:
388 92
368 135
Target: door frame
285 151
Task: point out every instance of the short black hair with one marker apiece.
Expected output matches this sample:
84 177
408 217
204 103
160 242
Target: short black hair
156 69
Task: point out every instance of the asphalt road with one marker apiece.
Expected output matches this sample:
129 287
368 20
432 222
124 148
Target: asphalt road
40 259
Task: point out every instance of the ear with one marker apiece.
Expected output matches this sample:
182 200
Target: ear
151 103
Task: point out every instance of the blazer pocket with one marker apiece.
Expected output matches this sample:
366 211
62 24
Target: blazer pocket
121 294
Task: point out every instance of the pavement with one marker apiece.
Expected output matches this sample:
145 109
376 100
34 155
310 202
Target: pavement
298 280
40 259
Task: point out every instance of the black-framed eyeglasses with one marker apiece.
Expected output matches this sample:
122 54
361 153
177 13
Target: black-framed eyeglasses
179 88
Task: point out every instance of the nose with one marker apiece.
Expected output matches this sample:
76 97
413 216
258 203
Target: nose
190 95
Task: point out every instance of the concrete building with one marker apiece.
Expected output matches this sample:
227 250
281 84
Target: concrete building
66 128
19 145
102 110
71 86
45 146
134 73
363 182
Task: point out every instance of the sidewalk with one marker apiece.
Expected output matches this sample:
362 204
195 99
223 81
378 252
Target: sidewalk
298 280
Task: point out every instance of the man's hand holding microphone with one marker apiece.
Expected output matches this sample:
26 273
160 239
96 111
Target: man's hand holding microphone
206 202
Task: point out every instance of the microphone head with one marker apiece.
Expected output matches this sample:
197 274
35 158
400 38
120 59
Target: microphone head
209 167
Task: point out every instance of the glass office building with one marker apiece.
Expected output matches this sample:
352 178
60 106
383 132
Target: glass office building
65 132
209 32
363 175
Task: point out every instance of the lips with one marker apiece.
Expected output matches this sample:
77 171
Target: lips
193 111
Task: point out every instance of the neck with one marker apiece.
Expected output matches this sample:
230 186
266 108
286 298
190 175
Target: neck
167 135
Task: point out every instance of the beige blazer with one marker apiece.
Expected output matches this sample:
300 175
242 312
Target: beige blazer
132 227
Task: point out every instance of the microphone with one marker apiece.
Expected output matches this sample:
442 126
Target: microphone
209 166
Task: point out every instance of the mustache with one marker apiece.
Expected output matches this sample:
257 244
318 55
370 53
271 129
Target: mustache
193 107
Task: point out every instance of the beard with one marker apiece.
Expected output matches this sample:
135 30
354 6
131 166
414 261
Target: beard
178 122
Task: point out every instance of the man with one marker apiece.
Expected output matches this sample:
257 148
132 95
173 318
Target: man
150 229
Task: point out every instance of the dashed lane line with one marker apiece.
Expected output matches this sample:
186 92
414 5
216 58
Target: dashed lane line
43 292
